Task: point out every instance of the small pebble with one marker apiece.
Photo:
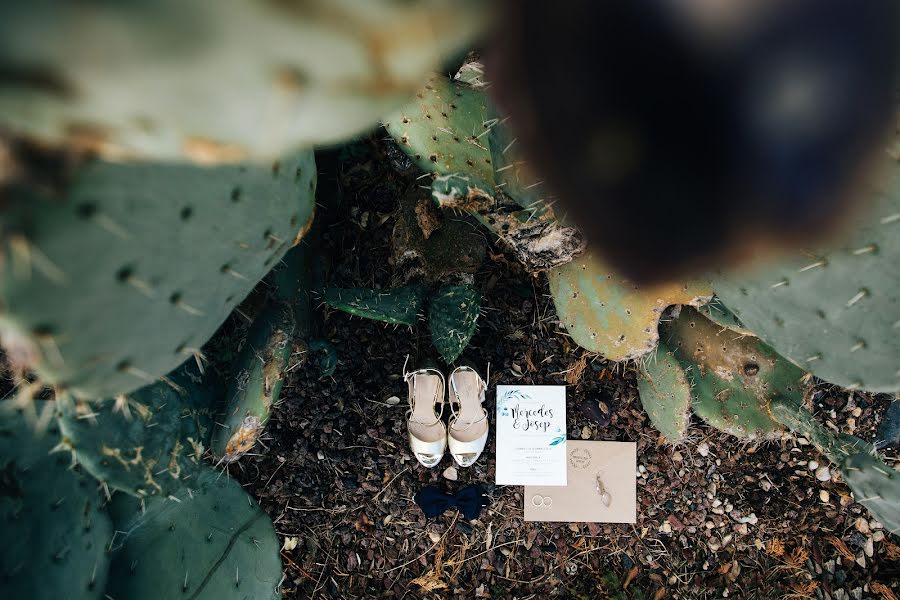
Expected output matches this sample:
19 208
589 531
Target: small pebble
823 473
703 449
824 496
586 433
862 525
812 465
320 455
878 536
451 473
392 401
434 536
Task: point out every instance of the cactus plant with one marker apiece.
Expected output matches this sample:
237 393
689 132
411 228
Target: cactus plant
258 372
146 74
875 484
665 393
53 521
208 541
116 283
534 235
835 311
445 130
452 319
400 306
613 316
733 377
720 314
150 441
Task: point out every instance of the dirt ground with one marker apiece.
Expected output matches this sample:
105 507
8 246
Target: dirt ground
717 517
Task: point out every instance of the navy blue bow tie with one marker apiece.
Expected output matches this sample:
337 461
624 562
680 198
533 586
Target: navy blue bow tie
469 500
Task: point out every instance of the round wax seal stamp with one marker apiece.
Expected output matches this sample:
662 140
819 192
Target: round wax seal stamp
580 458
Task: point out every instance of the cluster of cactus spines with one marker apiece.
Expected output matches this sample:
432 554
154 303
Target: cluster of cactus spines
55 533
399 306
875 484
453 318
721 315
208 541
512 173
325 72
613 316
665 393
150 441
834 312
733 377
537 239
446 129
117 283
258 372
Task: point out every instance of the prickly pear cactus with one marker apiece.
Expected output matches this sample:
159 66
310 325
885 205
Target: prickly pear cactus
665 393
147 442
210 541
452 319
134 267
143 80
607 314
445 130
259 370
733 377
400 306
875 484
534 235
836 311
718 313
54 532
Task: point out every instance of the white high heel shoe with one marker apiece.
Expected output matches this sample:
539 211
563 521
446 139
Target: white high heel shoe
469 426
427 433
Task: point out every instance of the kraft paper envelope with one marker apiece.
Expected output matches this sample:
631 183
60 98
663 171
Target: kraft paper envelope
580 501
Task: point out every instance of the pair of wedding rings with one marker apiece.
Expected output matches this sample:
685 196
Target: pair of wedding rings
542 501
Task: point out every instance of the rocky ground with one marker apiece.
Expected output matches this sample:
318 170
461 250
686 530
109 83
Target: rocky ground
717 516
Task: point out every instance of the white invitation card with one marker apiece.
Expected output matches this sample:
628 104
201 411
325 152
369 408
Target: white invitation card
531 435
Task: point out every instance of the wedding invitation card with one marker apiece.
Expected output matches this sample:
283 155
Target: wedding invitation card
531 435
601 488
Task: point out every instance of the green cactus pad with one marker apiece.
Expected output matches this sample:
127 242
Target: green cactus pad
173 81
613 316
721 315
210 541
54 532
537 239
400 306
452 319
130 272
665 393
150 441
836 311
446 129
875 484
259 370
733 377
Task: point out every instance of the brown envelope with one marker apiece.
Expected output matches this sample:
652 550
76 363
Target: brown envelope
580 501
